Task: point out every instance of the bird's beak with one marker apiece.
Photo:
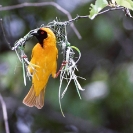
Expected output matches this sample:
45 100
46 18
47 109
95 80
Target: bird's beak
34 33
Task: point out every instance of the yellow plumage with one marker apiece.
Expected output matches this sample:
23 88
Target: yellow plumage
44 55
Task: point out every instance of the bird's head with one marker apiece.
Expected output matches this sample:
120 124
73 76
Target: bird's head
40 35
43 34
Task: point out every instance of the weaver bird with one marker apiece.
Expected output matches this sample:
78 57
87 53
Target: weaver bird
44 57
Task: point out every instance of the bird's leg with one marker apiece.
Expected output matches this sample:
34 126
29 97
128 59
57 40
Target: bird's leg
62 65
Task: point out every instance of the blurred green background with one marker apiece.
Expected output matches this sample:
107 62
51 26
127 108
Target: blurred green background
106 63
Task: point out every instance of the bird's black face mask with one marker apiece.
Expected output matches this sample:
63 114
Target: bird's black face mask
40 35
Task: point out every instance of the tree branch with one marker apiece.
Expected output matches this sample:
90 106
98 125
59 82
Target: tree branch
4 114
102 12
70 19
111 9
43 4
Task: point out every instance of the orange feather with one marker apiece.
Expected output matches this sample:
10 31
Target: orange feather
44 56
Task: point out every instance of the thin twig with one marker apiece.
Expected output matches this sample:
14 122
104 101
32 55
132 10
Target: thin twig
4 114
70 19
1 24
43 4
78 17
102 12
111 9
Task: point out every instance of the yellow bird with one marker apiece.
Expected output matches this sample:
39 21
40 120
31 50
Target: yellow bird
44 56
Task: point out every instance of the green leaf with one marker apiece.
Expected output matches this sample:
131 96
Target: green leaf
126 3
95 9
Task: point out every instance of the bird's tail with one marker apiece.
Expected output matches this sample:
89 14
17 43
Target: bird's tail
32 100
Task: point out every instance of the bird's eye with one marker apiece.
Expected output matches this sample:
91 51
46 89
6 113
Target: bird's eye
42 32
